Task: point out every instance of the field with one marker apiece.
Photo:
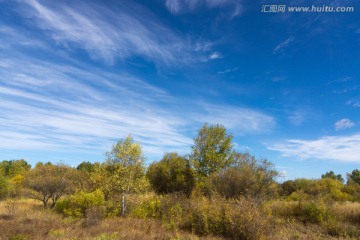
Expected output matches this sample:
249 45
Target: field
27 219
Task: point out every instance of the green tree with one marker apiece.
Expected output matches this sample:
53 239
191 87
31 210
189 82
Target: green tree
46 182
172 174
354 177
332 175
86 167
212 150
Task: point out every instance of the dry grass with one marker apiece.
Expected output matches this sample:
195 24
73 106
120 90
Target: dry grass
30 221
344 223
348 212
27 220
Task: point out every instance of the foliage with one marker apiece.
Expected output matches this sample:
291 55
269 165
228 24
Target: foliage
77 205
328 188
86 167
12 168
212 150
332 175
4 187
172 174
240 219
123 173
148 207
47 182
304 210
125 152
353 190
247 177
124 168
116 180
354 177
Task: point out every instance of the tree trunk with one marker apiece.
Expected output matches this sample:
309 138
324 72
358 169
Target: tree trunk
123 206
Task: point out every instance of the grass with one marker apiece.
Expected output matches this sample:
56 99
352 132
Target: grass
30 220
343 223
27 220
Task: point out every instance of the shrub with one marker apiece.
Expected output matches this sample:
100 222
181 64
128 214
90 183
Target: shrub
315 212
238 219
4 187
77 204
94 215
147 208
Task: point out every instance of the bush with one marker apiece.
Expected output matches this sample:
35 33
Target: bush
4 187
77 204
147 208
238 219
306 211
94 215
315 212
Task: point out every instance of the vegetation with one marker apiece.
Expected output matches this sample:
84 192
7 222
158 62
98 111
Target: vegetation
172 174
213 193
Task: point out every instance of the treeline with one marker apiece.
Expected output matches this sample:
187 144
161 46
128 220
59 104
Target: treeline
214 189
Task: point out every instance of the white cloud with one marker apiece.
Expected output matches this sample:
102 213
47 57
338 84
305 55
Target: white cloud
56 107
108 34
283 45
339 148
215 55
182 6
50 106
344 124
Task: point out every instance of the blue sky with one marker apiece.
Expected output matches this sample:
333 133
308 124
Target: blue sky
76 76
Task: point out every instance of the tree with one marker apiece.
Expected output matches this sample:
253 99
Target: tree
86 167
4 187
247 177
12 168
47 182
354 177
125 152
124 170
212 150
172 174
332 175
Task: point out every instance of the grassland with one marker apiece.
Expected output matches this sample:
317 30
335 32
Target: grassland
26 219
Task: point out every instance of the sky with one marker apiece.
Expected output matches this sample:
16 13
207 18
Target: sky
77 76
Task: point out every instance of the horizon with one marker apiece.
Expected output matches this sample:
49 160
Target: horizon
78 76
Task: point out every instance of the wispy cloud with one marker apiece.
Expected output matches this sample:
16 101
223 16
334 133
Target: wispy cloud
127 31
298 117
182 6
240 120
51 106
57 107
215 55
55 101
344 124
339 148
281 46
229 70
354 102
